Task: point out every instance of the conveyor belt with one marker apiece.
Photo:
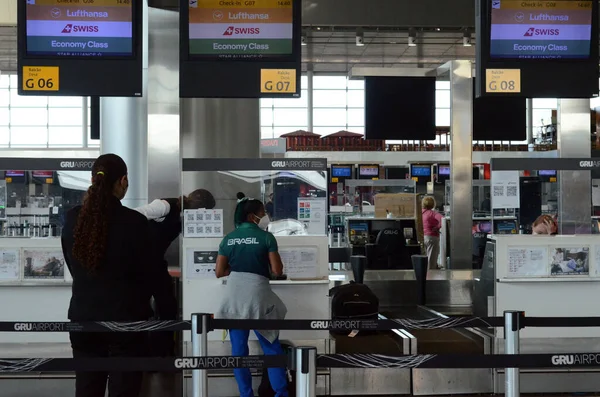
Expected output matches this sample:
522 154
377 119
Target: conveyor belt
438 341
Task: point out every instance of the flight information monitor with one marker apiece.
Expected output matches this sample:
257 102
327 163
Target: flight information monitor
541 29
84 28
242 30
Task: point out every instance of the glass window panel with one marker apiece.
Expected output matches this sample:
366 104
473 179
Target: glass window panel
356 117
356 99
291 117
542 117
324 131
266 116
92 142
65 136
65 116
442 117
14 82
28 136
329 117
4 81
4 116
28 116
266 102
545 103
329 82
442 85
357 129
266 132
356 85
4 97
279 131
330 98
65 101
4 136
301 102
442 99
27 101
303 81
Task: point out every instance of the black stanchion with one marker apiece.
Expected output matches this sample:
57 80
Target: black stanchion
359 265
420 265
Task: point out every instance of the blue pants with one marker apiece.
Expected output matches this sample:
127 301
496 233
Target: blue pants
239 347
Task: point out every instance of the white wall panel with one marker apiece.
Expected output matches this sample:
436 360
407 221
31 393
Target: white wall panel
8 12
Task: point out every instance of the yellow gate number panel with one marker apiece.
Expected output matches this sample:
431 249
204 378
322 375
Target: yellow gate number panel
278 81
40 78
503 81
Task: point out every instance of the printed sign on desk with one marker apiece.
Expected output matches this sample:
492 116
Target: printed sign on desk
505 190
527 262
570 261
9 265
43 265
203 223
313 213
200 264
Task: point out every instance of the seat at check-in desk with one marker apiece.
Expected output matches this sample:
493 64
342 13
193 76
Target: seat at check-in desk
389 251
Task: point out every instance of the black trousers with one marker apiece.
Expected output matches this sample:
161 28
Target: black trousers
120 384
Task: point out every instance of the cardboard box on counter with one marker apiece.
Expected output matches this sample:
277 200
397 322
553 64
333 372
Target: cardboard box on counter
401 205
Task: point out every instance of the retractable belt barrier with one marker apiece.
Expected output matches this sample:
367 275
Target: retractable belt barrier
294 325
373 361
305 359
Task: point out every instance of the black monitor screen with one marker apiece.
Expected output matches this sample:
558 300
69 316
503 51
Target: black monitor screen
420 170
400 108
341 171
540 29
72 28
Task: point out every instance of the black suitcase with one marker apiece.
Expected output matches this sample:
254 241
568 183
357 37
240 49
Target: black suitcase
354 302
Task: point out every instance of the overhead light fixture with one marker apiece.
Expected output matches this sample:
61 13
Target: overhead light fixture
412 38
304 39
360 38
467 39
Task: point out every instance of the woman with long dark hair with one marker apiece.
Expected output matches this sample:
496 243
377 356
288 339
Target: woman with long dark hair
108 250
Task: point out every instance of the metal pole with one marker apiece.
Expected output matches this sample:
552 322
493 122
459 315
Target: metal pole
512 326
529 121
306 371
199 349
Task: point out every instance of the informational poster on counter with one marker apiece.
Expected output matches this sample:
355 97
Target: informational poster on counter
43 265
312 212
10 268
505 190
203 223
300 262
527 262
200 264
569 261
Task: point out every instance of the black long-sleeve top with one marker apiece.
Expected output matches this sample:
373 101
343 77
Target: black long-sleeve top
121 287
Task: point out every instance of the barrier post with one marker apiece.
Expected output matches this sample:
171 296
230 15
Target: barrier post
200 349
512 325
306 371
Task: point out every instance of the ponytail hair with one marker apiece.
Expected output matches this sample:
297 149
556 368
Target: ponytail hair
91 229
245 206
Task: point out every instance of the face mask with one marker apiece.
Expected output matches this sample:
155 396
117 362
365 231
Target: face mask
263 222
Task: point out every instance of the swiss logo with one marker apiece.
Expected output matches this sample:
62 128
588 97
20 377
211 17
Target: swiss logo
67 29
529 32
229 31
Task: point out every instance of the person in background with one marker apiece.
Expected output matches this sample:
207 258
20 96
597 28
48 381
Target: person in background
165 227
486 204
545 225
270 207
432 223
249 255
109 252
